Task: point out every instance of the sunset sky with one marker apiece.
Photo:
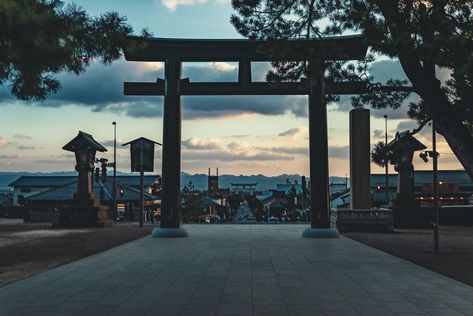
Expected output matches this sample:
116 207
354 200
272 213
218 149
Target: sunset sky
239 135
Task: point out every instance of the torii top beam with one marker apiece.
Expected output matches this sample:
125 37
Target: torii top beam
204 50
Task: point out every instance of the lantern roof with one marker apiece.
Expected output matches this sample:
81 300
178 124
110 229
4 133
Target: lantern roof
406 140
84 138
141 139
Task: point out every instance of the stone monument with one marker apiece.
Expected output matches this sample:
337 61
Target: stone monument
361 216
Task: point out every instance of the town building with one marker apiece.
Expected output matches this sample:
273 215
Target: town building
455 187
27 186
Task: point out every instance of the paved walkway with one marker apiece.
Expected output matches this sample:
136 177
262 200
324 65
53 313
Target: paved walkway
239 270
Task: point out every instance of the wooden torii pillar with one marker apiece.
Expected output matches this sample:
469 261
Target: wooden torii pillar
175 51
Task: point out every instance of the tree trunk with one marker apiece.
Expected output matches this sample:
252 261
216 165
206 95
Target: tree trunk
460 140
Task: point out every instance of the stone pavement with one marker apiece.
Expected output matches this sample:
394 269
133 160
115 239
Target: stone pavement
239 270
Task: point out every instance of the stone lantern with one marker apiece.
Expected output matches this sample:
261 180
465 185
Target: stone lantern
85 210
405 204
403 147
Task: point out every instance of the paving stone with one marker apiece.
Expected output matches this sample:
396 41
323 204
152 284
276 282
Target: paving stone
239 270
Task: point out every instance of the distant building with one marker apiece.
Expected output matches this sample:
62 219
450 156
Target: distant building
212 184
6 200
286 187
455 187
243 188
27 186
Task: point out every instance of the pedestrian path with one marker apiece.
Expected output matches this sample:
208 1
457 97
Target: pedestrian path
239 270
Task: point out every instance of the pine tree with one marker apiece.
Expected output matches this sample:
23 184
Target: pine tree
424 35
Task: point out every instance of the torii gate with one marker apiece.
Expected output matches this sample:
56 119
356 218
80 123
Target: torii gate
175 51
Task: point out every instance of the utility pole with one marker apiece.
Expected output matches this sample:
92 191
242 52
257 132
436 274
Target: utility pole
386 188
435 180
114 202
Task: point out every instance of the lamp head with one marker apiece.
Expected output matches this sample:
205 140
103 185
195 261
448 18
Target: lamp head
423 156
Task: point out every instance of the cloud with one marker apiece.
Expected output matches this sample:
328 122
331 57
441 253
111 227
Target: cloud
22 136
304 151
3 142
109 143
223 66
196 143
221 155
240 136
238 146
25 147
295 133
411 125
382 71
212 149
20 146
10 156
377 133
100 88
340 152
172 5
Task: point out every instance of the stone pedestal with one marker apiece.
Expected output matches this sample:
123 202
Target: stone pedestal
84 212
169 232
310 232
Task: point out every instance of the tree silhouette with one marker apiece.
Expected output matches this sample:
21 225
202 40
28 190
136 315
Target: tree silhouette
192 206
39 38
424 35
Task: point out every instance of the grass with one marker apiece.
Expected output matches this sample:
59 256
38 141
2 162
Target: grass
26 255
416 245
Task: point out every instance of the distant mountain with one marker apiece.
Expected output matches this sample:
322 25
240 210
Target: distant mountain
198 180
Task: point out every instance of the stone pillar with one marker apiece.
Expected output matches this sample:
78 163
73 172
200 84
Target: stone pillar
360 172
405 170
318 151
171 165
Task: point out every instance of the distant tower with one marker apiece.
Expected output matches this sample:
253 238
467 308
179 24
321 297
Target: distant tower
212 187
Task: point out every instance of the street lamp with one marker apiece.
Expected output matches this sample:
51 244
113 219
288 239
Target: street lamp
434 155
386 161
435 180
114 202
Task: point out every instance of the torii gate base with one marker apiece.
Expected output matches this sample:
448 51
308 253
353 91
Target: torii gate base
310 232
169 232
174 52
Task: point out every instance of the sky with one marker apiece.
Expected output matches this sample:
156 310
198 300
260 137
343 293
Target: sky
239 135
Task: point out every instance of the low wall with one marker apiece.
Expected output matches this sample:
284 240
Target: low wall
363 220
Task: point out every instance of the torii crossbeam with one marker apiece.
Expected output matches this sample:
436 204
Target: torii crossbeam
175 51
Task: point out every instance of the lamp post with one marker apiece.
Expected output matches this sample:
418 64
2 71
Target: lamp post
434 155
114 202
142 159
435 180
386 161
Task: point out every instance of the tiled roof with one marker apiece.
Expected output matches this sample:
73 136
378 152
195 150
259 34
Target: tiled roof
42 181
83 137
56 181
66 192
